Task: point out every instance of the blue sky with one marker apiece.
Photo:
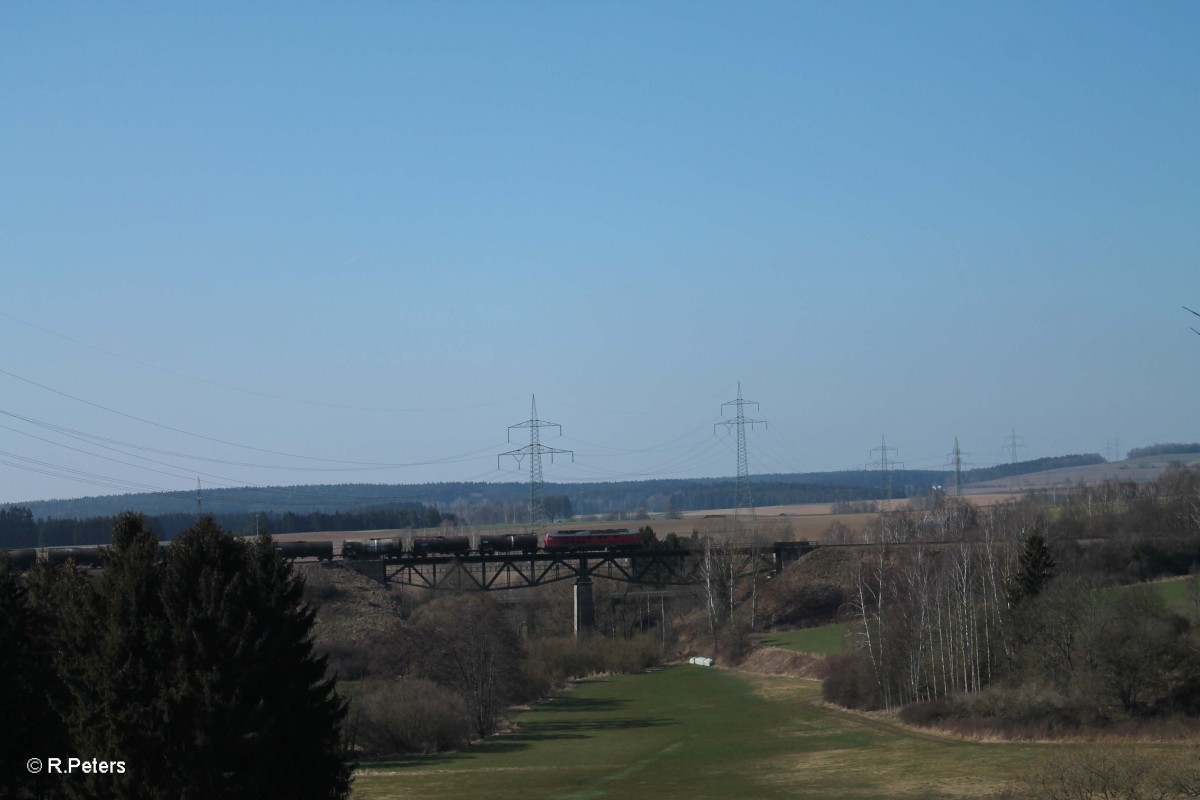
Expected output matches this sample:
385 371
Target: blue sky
386 225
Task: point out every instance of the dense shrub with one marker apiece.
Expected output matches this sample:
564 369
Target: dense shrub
552 661
927 713
1032 708
851 682
411 715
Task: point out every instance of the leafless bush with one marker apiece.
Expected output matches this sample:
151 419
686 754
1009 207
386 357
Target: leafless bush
1103 773
554 660
411 715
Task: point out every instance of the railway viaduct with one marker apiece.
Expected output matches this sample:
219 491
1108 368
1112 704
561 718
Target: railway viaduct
510 571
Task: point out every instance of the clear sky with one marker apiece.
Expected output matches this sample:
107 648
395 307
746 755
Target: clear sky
369 232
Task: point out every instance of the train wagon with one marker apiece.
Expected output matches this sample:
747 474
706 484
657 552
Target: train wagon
441 545
20 558
593 540
322 551
83 556
508 543
373 548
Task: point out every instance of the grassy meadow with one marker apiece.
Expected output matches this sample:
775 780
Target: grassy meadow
822 640
1176 593
686 732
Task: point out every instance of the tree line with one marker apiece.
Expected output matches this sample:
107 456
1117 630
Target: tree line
453 497
1170 448
1026 467
194 672
505 501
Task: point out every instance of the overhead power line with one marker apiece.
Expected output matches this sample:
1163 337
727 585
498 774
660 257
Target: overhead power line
242 389
202 436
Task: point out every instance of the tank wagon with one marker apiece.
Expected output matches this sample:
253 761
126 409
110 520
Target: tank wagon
373 548
508 543
83 556
23 558
394 548
441 545
322 551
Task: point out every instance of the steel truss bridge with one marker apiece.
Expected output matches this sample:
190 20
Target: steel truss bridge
506 571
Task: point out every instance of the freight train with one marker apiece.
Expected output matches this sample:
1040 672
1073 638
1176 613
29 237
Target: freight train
89 555
525 543
25 557
385 548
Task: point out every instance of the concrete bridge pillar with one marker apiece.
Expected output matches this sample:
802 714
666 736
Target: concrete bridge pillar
585 611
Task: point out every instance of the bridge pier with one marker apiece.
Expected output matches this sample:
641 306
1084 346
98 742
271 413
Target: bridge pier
585 611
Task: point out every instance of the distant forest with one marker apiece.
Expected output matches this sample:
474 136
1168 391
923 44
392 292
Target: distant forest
1169 449
1036 465
683 494
368 506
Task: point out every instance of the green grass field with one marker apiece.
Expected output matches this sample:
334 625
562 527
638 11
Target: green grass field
1175 592
825 640
684 733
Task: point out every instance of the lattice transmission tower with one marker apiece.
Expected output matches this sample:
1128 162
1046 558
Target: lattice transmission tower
955 459
885 465
743 499
535 450
1013 443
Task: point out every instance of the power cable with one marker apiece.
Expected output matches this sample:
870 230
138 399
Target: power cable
211 438
243 390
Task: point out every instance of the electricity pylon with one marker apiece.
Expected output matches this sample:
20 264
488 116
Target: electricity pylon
743 501
1013 443
956 459
535 449
886 465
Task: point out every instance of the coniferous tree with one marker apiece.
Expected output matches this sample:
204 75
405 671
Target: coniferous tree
28 728
249 712
115 645
55 594
302 731
1035 568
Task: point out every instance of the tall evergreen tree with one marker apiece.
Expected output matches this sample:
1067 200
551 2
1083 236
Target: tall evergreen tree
248 710
28 728
55 593
114 640
1035 568
17 528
